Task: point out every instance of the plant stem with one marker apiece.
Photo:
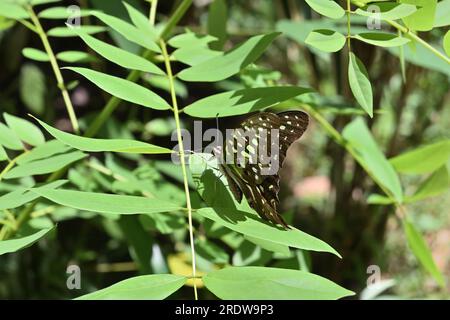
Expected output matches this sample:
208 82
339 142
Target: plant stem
134 75
418 39
56 70
349 34
104 115
182 155
152 16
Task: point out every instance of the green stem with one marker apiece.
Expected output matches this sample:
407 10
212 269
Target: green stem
134 75
152 16
412 35
182 159
108 109
56 70
419 40
349 34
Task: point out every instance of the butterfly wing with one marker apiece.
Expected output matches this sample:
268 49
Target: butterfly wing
261 190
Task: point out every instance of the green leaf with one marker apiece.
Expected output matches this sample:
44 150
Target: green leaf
195 55
423 57
129 31
381 39
32 87
70 32
421 251
442 17
434 185
242 101
424 159
246 223
12 11
190 39
139 240
123 89
326 40
35 54
230 63
106 203
269 245
25 130
263 283
327 8
360 84
141 21
38 2
61 13
446 43
119 56
44 166
211 252
75 56
423 18
217 23
148 287
3 154
9 139
13 245
101 145
45 150
22 196
388 11
370 157
379 199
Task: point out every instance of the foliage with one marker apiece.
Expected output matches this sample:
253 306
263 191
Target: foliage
80 186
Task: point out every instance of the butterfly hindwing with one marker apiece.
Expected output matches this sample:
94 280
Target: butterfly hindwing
261 190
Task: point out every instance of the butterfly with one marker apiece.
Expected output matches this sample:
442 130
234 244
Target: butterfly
262 136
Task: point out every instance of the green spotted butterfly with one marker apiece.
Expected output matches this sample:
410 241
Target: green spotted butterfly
252 177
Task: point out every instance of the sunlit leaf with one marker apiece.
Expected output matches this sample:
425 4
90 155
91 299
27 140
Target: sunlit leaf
420 249
231 62
148 287
119 56
13 245
106 203
123 89
360 83
423 159
264 283
371 158
242 101
25 130
381 39
327 8
326 40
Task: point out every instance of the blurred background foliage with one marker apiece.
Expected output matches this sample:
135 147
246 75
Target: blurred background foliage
323 190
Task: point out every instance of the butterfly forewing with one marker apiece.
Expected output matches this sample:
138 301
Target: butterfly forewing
271 135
